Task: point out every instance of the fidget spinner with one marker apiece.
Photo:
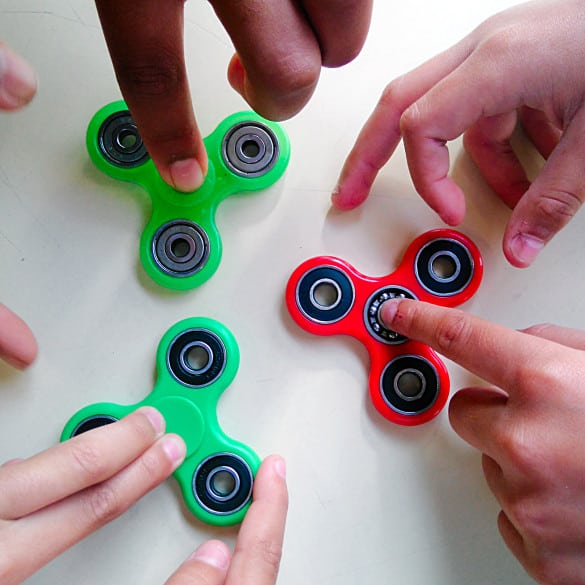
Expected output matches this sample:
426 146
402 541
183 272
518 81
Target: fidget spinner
196 360
408 383
180 247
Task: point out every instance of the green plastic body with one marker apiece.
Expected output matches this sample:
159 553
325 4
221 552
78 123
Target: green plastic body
189 412
198 206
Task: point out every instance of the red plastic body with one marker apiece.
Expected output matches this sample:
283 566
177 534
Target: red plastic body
353 323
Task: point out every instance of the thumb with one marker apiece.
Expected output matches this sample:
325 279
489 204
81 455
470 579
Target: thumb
552 199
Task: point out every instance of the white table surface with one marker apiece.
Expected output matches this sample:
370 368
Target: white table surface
370 502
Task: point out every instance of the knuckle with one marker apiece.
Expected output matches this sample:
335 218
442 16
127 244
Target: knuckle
153 463
89 460
453 331
102 504
267 553
155 74
294 74
556 207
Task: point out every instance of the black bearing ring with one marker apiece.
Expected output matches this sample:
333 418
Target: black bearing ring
180 248
225 499
331 277
119 141
205 343
410 384
250 149
93 422
372 313
453 257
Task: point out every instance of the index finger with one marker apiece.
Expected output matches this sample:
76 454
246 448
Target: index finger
492 352
381 134
145 41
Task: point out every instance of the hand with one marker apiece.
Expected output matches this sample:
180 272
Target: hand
522 64
529 427
17 87
54 499
280 46
258 548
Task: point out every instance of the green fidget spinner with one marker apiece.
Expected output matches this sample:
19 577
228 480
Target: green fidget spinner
196 360
180 247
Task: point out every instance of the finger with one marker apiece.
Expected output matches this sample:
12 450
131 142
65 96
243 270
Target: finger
540 130
17 343
381 134
552 200
470 92
208 565
278 59
50 531
145 40
567 336
497 354
18 82
259 546
478 416
74 465
488 144
341 27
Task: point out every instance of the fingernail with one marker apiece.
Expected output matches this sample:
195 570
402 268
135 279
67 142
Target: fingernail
388 312
18 82
280 466
526 248
186 175
214 553
175 449
155 417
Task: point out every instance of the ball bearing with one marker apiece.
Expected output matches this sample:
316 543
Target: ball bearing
372 313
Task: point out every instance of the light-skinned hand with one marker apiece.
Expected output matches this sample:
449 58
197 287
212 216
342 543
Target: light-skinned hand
54 499
18 85
528 426
522 65
280 49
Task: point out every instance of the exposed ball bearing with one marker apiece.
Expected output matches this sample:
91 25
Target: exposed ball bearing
372 313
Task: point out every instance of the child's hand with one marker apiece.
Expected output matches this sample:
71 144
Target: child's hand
259 545
529 427
523 64
17 87
54 499
281 47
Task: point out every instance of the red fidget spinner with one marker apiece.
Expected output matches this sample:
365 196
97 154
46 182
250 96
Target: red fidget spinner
409 383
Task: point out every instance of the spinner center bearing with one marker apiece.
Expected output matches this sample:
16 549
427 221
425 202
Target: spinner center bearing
250 149
180 248
120 142
372 313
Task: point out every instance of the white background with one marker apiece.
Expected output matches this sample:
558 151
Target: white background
370 502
